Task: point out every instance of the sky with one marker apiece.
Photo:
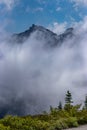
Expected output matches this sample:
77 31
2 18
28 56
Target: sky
19 15
34 76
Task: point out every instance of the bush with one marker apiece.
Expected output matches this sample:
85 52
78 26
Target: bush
72 122
58 125
40 125
82 120
2 127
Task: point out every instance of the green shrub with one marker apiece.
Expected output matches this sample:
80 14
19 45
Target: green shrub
82 120
72 122
58 125
40 125
2 127
51 127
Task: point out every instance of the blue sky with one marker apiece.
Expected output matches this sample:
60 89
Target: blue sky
18 15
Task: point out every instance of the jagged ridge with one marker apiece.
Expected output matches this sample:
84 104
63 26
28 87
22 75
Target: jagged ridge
44 34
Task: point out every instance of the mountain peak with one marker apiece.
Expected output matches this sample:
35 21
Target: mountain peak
31 29
69 30
36 27
68 33
44 34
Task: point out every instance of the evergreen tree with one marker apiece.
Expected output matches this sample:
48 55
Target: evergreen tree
68 101
85 103
68 98
60 105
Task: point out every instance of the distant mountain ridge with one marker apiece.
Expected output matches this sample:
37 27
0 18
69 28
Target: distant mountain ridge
43 34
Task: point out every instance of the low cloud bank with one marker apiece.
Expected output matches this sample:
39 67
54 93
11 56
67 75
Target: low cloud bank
32 77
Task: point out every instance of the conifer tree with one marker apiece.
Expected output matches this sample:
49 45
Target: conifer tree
85 102
68 98
68 101
60 105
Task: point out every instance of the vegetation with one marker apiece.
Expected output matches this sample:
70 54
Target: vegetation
60 106
85 105
57 119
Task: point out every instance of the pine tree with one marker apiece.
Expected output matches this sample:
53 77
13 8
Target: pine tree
85 103
68 98
60 105
68 101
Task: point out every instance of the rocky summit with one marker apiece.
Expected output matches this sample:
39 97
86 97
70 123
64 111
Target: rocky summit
41 33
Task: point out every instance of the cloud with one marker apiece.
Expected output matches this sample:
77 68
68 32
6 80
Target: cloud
9 4
58 9
58 27
34 76
80 2
38 9
81 26
42 1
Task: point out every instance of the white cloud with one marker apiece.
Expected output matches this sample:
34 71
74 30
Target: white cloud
38 9
80 2
58 8
37 76
9 4
81 26
42 1
58 27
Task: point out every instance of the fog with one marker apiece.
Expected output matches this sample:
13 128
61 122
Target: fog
33 77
